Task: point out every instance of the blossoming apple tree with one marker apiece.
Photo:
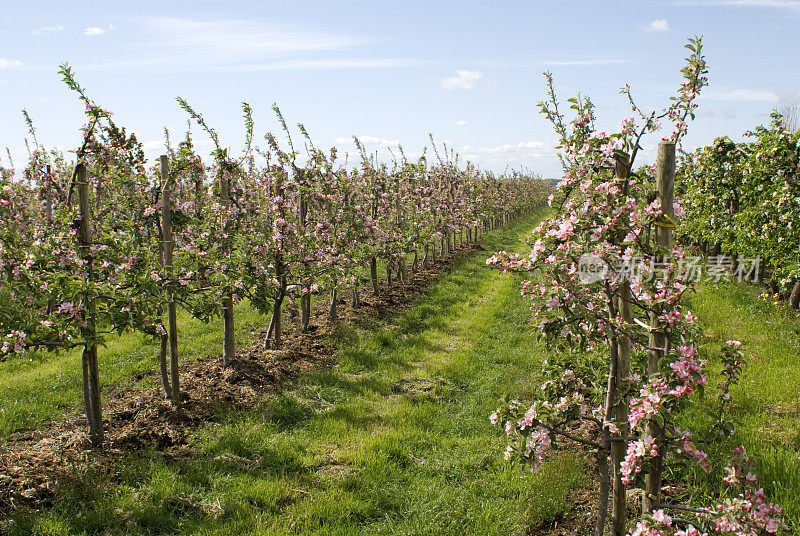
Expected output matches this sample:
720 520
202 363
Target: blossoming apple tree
109 244
606 285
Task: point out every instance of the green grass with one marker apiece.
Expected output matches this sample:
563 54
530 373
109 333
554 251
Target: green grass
394 439
766 409
46 386
49 385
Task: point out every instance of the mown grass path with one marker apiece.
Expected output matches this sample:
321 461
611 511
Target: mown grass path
393 439
48 386
766 403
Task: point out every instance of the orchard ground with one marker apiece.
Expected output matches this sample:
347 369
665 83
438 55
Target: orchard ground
393 438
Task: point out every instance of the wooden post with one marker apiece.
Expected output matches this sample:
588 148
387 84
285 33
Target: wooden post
275 329
47 188
605 474
48 196
620 412
401 268
91 369
662 241
229 344
198 193
794 297
373 274
172 314
333 315
305 296
373 262
305 311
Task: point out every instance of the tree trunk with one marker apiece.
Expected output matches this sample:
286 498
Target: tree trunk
229 344
794 298
274 335
172 315
91 394
305 311
162 365
333 316
167 247
198 194
401 269
612 394
373 274
619 446
602 502
89 363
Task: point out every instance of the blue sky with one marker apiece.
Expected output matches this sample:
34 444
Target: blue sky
390 72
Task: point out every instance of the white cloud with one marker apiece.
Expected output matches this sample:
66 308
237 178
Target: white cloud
92 31
367 141
731 113
329 63
751 95
785 4
523 146
243 44
48 29
787 95
4 62
153 146
244 38
727 113
522 153
658 25
463 80
460 123
607 61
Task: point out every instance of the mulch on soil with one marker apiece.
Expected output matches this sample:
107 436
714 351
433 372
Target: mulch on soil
32 462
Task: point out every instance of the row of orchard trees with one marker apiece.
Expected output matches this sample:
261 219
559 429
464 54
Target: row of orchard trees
743 200
607 285
110 244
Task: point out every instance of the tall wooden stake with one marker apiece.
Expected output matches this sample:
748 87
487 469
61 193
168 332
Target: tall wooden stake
662 240
305 297
229 344
91 369
172 315
48 186
620 412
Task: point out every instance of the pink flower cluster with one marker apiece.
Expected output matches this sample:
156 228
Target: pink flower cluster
638 451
